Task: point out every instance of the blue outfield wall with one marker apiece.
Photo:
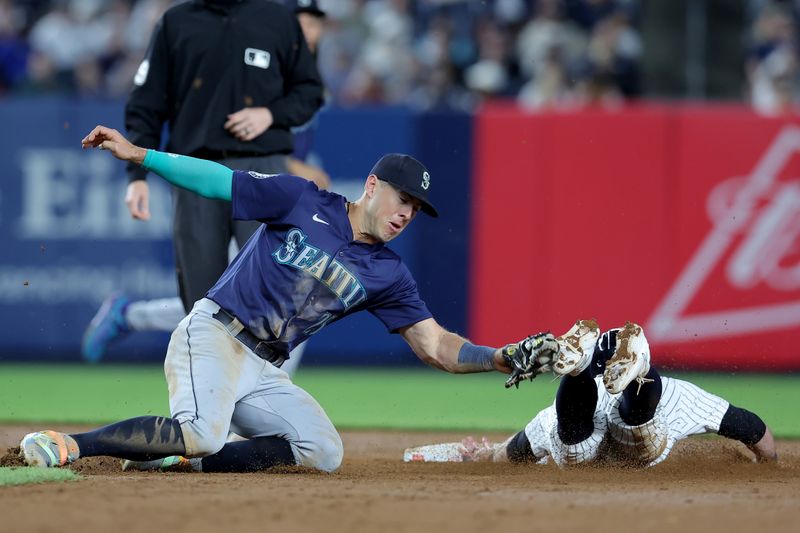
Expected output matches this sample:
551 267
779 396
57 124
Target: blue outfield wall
68 241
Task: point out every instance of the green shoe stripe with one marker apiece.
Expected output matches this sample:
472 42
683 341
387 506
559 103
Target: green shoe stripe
172 460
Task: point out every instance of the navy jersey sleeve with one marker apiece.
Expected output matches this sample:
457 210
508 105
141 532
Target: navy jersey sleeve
402 306
266 197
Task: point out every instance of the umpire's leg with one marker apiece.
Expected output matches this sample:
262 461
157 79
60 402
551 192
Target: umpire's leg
201 232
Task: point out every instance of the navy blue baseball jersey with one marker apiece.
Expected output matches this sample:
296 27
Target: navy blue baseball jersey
302 269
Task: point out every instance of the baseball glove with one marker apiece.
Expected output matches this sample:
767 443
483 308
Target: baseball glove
529 357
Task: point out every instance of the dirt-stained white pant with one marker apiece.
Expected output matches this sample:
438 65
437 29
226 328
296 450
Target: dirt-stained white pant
216 385
684 410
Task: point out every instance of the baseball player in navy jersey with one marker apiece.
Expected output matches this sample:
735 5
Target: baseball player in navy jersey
315 259
612 406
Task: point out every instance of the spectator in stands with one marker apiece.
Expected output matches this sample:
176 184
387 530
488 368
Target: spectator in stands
436 86
772 65
588 13
490 75
384 67
66 58
13 48
609 71
548 47
133 43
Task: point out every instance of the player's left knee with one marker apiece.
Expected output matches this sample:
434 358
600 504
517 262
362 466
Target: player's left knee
324 453
201 438
584 451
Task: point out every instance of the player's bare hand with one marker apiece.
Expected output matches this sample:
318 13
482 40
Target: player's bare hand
248 123
475 450
764 450
113 141
137 198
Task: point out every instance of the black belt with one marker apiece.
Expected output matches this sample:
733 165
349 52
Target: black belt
256 345
205 153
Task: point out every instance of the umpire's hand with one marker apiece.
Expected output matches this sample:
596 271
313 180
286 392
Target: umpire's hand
137 198
248 123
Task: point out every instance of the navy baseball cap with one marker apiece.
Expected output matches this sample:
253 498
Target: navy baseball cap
408 175
305 6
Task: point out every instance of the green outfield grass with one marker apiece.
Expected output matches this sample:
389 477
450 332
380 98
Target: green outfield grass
422 399
27 475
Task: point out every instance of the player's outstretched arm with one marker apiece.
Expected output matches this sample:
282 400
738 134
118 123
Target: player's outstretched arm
447 351
468 450
486 450
206 178
764 450
749 429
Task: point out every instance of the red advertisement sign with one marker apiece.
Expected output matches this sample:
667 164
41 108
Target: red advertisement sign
685 220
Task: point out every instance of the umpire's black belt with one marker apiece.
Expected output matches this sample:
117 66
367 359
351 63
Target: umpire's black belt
256 345
217 155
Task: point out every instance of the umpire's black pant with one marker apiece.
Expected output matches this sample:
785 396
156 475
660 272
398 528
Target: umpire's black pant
202 230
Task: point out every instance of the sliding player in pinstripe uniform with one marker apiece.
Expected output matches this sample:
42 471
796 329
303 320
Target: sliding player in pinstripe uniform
612 405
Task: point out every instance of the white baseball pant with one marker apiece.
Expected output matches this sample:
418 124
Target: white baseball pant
216 385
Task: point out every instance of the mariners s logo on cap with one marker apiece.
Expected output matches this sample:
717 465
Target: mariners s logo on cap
426 180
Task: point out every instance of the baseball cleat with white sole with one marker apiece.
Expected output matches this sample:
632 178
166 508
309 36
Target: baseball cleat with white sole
631 360
172 463
576 348
48 449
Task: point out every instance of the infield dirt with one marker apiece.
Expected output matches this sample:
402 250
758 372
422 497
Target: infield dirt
706 485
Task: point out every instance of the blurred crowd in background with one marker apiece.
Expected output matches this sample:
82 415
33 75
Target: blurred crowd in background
427 54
